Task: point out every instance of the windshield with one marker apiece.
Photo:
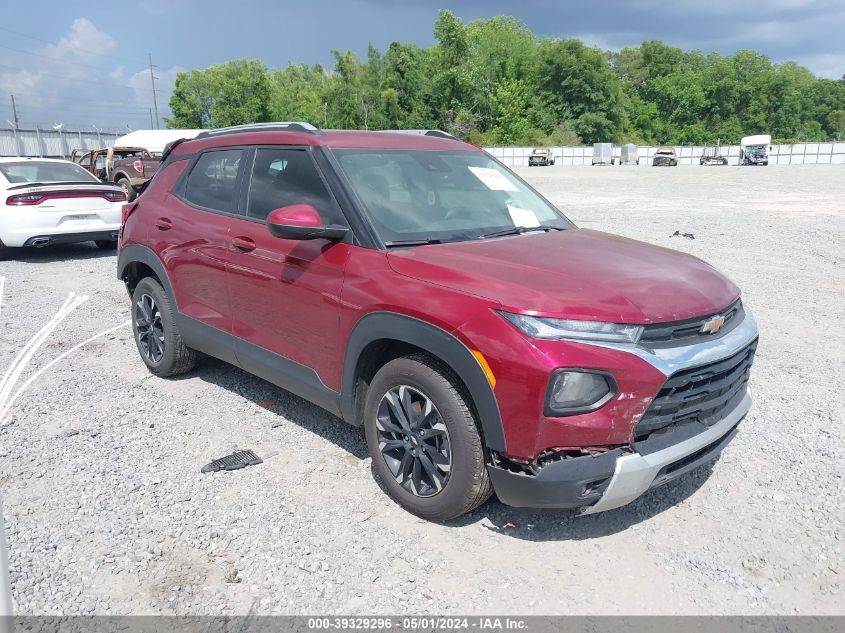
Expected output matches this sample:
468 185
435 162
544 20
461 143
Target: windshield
44 171
423 195
755 149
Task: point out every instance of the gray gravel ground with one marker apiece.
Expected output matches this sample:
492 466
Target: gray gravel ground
107 511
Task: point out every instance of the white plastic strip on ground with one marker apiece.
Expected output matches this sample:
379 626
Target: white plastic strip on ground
5 583
7 398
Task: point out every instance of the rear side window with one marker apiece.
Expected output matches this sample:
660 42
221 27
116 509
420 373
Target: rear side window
44 171
284 176
213 180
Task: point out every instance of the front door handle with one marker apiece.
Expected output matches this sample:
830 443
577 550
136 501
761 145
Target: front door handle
164 224
243 244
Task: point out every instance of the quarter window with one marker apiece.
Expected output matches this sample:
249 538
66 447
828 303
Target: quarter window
212 182
284 176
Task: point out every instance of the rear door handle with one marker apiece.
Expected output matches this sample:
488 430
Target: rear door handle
243 244
163 224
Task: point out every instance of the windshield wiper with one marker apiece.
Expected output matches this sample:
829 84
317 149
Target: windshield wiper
519 230
396 243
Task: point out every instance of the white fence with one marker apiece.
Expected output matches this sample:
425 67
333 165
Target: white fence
795 154
50 143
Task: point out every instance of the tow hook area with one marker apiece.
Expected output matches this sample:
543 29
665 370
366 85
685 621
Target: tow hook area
557 479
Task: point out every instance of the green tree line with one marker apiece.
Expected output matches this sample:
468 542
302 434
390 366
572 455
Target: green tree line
493 82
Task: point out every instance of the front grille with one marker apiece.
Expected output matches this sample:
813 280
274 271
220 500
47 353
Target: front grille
688 332
698 397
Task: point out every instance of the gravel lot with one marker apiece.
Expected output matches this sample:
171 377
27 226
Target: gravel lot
107 512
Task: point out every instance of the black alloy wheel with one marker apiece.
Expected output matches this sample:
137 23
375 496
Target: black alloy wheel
414 441
150 329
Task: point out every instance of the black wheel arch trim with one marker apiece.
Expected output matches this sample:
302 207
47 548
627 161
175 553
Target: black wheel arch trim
135 253
440 343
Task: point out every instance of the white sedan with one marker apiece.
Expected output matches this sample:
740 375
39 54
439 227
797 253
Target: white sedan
47 201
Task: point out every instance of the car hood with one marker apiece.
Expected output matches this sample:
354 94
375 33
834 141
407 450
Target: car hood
577 273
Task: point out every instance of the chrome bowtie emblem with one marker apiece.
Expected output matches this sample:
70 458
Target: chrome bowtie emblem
713 325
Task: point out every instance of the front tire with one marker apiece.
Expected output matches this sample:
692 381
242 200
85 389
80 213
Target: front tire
156 336
423 439
106 245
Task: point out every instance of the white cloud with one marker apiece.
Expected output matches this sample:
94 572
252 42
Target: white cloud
827 65
78 80
604 41
84 43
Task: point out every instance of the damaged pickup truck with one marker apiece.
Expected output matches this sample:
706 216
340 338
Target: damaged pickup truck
127 167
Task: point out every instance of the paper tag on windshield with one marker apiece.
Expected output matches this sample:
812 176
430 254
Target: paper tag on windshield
494 180
523 217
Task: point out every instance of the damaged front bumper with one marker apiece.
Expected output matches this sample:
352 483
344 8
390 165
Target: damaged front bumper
609 480
603 481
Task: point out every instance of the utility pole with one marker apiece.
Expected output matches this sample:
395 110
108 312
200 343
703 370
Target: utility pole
14 111
151 118
153 82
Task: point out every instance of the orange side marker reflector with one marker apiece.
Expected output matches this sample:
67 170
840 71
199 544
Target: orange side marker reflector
485 367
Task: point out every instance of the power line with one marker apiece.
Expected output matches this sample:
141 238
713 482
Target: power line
39 39
56 102
55 59
77 79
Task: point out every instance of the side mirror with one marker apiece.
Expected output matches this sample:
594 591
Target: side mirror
302 222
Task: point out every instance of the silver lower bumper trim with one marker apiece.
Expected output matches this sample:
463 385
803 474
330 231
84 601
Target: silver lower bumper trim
635 473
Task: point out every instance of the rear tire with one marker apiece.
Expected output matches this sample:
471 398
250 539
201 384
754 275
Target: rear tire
428 486
106 245
154 328
5 251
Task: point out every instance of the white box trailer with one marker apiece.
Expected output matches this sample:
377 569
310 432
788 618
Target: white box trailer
629 155
154 141
603 154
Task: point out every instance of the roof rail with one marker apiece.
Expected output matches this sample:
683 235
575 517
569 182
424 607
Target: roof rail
437 133
277 126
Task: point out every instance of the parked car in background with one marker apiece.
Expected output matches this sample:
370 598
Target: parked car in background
127 167
47 201
541 156
754 150
603 154
412 284
665 157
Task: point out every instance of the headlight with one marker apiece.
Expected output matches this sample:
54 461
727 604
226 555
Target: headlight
573 329
574 391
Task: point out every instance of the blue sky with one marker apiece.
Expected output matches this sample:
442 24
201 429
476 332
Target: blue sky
79 64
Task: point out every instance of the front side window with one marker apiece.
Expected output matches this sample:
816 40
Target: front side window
213 180
285 176
443 196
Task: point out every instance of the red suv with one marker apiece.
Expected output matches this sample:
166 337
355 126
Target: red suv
411 284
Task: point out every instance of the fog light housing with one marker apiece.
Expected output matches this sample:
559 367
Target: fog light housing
574 391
